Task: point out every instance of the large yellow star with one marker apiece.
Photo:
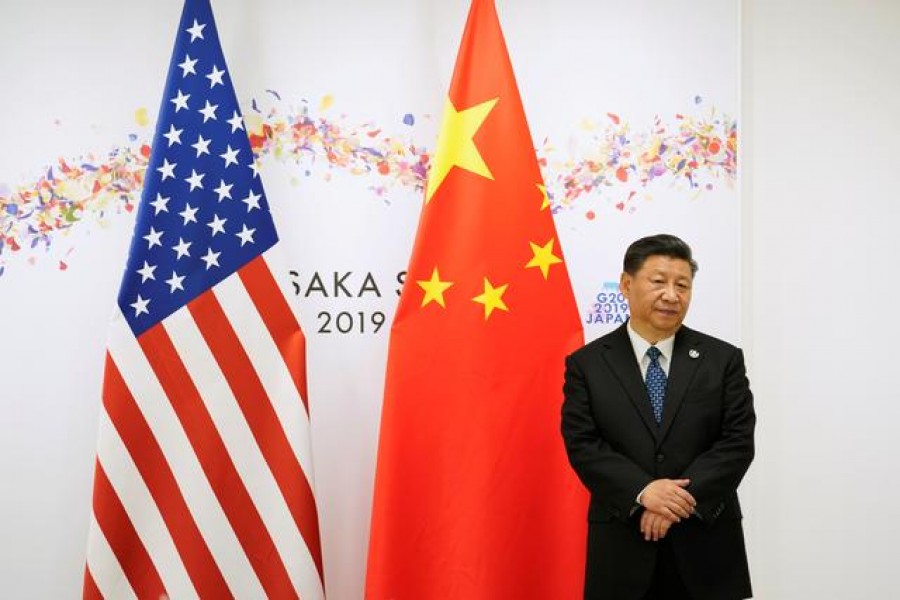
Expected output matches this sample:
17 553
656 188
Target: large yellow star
543 257
546 198
434 289
455 146
491 298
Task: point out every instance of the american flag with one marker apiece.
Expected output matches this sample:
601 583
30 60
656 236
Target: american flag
203 482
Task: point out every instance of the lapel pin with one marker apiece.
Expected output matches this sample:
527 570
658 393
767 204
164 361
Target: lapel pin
693 353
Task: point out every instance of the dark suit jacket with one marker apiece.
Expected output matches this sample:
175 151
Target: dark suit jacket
616 447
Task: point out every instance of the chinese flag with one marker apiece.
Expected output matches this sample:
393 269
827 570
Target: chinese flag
474 497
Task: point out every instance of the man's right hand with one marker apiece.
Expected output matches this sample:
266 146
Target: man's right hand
654 526
667 497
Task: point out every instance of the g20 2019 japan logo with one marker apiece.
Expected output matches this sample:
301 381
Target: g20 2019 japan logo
609 306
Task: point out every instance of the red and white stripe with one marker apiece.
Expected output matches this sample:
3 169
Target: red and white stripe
204 484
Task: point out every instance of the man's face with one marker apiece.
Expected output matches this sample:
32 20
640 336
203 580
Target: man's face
658 296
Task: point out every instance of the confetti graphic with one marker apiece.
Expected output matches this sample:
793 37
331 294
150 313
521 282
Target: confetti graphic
69 192
693 152
294 136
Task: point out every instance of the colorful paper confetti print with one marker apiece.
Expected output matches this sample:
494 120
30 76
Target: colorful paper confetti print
295 136
695 151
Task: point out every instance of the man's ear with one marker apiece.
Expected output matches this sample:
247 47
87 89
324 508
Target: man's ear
625 284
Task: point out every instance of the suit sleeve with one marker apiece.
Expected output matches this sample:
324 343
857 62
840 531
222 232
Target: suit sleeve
716 473
612 478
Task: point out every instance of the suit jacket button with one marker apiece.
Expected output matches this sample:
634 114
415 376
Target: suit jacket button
660 458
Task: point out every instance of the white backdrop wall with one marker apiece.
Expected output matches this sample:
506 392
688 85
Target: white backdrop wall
821 89
804 281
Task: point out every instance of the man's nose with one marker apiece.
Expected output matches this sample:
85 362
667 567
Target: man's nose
670 294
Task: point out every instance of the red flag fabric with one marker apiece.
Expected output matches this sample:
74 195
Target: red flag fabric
203 484
474 497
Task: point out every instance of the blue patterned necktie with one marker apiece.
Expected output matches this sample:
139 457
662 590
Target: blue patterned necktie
656 382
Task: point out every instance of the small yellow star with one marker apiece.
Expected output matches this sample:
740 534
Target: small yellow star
455 146
434 289
546 201
543 257
491 298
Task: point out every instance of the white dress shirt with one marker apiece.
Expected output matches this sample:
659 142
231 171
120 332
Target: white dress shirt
640 346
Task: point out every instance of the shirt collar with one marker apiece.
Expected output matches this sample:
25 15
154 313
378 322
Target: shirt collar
640 345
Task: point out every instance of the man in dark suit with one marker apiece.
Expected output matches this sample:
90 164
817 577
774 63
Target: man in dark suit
658 423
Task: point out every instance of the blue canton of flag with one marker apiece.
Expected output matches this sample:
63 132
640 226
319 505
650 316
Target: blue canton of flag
203 212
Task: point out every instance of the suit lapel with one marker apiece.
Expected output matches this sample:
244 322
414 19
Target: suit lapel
619 355
687 354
